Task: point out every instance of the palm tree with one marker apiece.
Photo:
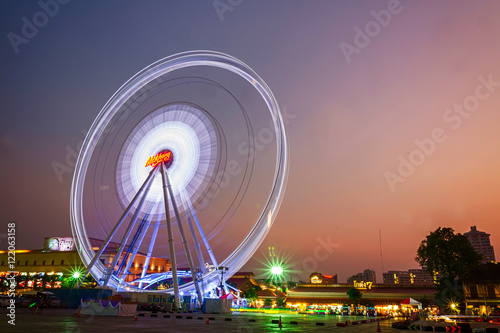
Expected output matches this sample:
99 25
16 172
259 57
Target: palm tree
354 295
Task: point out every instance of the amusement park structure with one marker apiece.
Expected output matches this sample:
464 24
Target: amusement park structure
194 144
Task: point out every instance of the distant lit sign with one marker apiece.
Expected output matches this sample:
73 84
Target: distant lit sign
61 244
316 279
363 284
164 156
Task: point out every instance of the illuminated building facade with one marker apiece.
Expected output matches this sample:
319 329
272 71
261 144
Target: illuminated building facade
368 275
59 258
482 289
323 279
384 296
480 241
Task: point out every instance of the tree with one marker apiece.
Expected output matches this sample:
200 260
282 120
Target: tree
281 302
251 294
448 253
354 295
268 302
451 255
249 290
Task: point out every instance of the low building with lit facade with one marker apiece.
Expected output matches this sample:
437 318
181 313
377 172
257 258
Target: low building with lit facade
480 241
482 289
322 278
385 297
60 258
368 275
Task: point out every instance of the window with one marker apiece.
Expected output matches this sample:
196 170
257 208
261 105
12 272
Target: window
34 262
18 263
62 262
53 262
43 262
3 262
140 265
26 263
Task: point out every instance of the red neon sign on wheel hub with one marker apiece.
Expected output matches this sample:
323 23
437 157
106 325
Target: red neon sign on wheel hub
164 156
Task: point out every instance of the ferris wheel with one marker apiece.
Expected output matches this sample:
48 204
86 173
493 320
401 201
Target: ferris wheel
188 159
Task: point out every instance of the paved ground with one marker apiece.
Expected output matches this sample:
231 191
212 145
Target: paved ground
61 320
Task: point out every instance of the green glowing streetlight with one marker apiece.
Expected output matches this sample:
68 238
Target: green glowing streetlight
76 275
276 271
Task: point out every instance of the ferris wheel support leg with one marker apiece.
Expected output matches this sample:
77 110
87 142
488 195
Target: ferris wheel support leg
183 236
195 239
150 251
170 240
202 234
127 233
117 226
134 251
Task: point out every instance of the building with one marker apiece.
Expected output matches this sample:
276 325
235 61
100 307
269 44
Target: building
411 276
480 241
324 279
383 296
58 259
482 289
368 275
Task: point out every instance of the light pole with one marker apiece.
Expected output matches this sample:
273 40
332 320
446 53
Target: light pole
276 271
222 269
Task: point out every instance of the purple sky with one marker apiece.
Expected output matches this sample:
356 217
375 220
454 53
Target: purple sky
421 85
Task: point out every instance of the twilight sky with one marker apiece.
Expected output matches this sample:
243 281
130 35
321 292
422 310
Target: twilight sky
392 113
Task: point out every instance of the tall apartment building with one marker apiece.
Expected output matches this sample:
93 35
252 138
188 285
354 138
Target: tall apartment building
411 276
368 275
480 241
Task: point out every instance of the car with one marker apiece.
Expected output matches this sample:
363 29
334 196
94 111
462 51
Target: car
53 302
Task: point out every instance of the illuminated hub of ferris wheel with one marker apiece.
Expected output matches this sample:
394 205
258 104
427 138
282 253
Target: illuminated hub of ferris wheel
194 142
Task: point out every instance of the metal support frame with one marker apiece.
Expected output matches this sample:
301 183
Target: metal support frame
202 234
127 234
190 215
195 240
112 233
183 236
150 250
171 246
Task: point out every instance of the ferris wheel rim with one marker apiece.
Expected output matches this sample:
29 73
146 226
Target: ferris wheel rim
150 73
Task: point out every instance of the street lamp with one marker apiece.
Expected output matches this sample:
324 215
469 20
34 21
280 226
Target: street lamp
222 269
276 271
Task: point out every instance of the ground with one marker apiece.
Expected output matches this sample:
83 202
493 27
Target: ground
62 320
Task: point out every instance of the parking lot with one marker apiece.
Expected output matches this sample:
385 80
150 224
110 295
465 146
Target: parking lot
63 320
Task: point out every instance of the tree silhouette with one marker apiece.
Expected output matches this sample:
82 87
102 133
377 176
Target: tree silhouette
354 295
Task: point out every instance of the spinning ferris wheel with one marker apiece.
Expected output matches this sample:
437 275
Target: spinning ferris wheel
187 161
